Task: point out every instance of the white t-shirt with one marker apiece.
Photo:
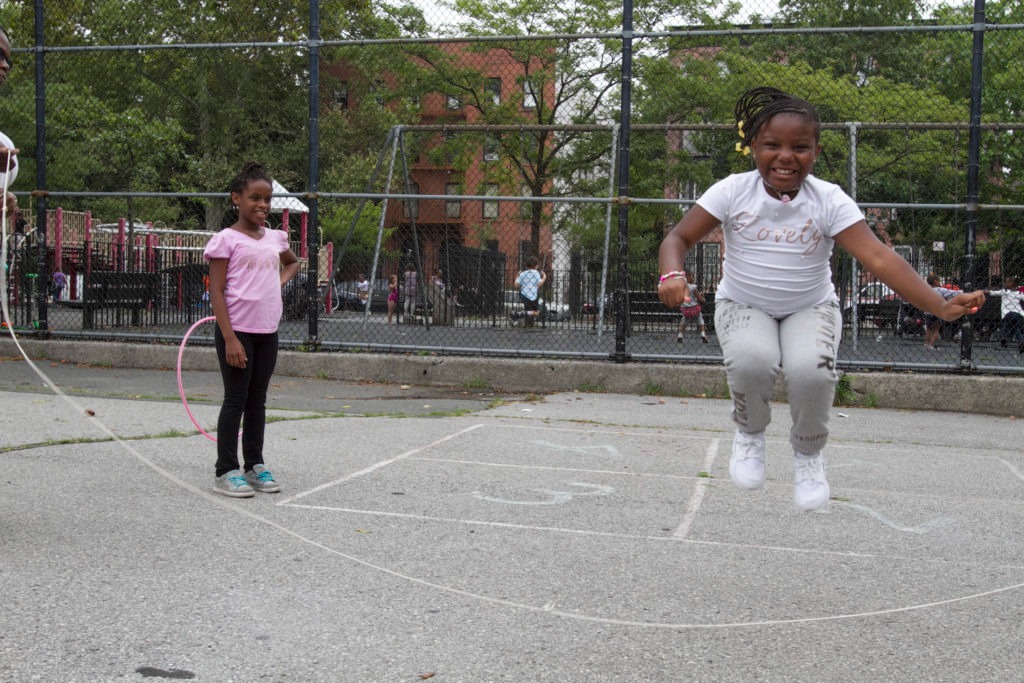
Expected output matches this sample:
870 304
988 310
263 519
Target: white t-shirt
7 179
1011 301
777 254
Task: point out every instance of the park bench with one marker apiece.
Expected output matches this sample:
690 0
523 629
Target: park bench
646 310
110 296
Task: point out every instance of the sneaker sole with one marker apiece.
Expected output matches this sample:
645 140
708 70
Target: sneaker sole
234 494
814 505
746 486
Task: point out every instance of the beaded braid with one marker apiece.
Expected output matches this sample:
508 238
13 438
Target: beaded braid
757 106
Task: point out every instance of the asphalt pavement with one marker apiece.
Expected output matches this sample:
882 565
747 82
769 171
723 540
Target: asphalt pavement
464 534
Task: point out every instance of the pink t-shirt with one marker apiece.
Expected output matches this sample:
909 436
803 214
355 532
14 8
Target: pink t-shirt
253 290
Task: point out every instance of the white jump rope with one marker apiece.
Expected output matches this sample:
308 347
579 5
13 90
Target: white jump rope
232 505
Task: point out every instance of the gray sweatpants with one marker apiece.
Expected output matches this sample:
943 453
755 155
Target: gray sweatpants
803 345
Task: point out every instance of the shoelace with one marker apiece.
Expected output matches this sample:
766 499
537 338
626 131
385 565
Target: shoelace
265 477
237 481
810 469
751 447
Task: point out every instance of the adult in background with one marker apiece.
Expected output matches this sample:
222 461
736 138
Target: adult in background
409 287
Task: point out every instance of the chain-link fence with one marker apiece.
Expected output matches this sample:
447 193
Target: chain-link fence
427 155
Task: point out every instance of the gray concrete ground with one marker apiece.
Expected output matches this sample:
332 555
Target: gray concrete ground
464 534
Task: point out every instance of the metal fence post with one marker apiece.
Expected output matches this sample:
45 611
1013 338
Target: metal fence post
973 154
625 115
313 236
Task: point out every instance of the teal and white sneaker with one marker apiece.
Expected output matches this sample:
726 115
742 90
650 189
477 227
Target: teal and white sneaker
260 479
233 484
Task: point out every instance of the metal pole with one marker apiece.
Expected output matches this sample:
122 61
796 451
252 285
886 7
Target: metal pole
854 270
973 163
41 283
313 235
625 114
607 233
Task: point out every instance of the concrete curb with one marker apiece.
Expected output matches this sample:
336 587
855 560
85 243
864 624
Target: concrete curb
982 394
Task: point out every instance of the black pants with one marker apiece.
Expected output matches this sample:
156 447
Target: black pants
245 396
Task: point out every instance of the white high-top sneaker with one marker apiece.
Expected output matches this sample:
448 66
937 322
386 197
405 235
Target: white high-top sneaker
746 465
810 491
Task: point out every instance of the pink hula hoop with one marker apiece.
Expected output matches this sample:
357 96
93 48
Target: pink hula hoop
181 387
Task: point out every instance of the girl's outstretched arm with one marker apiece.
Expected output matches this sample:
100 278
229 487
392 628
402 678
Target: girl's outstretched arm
672 254
893 270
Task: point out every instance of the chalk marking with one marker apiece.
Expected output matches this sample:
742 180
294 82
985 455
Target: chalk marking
608 449
590 532
557 497
698 491
376 466
554 469
920 529
1013 469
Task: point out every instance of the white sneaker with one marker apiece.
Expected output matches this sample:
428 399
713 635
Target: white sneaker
746 465
811 490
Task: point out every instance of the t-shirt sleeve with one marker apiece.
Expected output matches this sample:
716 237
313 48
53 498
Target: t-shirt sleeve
282 237
717 198
217 247
843 212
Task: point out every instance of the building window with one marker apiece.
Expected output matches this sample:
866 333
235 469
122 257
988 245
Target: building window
529 97
340 95
412 206
453 101
525 208
450 148
490 209
452 207
493 88
490 147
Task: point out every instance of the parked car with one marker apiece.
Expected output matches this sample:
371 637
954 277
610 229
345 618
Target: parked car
877 304
347 294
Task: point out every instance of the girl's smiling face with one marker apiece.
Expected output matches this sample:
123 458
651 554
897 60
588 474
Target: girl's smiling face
253 202
784 151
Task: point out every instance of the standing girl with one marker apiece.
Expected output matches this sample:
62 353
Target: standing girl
776 308
392 296
246 277
692 313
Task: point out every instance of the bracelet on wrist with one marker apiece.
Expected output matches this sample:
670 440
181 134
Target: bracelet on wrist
672 275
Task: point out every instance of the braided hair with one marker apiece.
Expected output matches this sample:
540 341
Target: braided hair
250 171
757 106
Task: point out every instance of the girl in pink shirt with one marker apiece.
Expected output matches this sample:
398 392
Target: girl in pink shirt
246 277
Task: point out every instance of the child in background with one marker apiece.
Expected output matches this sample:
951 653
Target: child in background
363 288
932 324
692 313
529 282
776 308
246 277
392 296
59 281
